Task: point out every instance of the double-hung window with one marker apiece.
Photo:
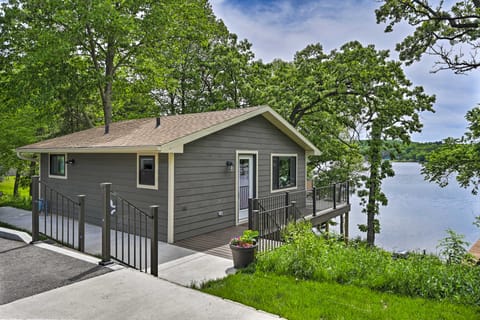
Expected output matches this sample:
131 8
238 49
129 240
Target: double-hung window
56 164
284 172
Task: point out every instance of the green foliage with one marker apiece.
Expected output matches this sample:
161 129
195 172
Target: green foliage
16 202
306 256
292 298
458 158
23 201
445 32
453 248
411 152
247 239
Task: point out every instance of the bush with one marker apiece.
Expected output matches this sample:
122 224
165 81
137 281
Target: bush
307 256
16 202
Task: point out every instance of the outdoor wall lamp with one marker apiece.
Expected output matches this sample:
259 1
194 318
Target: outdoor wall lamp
229 166
71 161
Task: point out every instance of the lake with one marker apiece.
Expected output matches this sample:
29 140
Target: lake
419 212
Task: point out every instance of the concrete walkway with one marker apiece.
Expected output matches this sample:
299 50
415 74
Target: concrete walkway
93 235
129 294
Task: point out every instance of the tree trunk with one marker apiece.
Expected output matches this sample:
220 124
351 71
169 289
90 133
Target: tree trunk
31 173
17 183
374 180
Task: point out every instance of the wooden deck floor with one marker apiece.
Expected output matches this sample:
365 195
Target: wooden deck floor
475 250
214 243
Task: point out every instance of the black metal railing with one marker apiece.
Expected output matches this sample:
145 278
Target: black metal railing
270 215
57 216
134 232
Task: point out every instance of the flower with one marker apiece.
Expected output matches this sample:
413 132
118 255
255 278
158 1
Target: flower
247 240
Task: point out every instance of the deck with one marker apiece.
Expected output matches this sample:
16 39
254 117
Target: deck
475 250
214 243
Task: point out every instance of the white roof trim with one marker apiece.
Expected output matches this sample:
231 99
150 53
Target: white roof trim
266 112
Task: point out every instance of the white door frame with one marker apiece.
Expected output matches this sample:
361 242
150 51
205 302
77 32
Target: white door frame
254 180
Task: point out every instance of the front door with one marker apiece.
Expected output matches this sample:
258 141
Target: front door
246 187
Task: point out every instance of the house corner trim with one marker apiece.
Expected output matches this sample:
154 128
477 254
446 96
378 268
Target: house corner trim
171 198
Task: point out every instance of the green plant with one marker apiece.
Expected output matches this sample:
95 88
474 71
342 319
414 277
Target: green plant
16 202
246 240
306 256
453 247
292 298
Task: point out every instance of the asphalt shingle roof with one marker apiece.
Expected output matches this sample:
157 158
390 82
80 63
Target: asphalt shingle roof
142 132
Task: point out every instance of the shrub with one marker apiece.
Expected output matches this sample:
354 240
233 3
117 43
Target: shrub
307 256
16 202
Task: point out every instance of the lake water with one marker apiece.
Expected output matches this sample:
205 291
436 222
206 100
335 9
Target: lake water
419 212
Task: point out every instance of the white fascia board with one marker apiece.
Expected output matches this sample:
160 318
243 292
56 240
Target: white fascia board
267 112
91 150
291 132
179 143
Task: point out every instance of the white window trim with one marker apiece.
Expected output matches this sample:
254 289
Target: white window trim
145 186
271 171
53 176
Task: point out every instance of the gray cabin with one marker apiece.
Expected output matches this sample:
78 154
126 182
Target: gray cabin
200 169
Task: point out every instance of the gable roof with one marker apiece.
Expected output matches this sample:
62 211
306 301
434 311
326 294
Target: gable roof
142 135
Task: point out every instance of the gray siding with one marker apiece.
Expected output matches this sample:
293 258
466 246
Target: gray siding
89 170
203 187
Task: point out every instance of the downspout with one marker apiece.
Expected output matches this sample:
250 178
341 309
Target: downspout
19 155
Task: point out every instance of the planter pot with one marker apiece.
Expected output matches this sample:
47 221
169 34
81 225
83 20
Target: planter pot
242 257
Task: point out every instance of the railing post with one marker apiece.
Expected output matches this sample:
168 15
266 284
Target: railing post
314 196
250 213
106 188
341 225
287 206
35 217
348 192
154 242
256 214
294 211
346 227
81 223
334 195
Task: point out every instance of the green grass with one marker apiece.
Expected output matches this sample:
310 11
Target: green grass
6 186
8 200
303 299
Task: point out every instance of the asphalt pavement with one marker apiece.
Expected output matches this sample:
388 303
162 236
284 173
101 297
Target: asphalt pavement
26 270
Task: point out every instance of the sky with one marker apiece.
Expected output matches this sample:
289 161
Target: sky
279 28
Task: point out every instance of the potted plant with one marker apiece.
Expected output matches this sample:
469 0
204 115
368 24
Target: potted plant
244 248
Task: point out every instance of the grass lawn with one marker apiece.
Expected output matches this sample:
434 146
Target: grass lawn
299 299
6 186
7 199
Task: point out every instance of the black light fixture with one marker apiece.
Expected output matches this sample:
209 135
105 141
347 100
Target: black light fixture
229 166
71 161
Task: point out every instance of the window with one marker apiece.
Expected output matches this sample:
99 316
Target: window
147 171
284 172
57 165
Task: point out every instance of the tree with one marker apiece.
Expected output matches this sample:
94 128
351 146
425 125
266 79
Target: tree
385 106
336 98
452 35
458 157
306 92
109 45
